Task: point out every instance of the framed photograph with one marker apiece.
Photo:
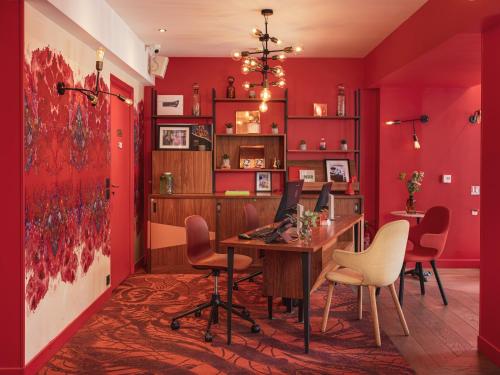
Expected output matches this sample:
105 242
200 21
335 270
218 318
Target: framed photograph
170 105
263 181
247 122
173 137
337 170
308 175
320 109
201 135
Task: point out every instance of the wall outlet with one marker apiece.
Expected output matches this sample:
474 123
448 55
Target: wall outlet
108 280
475 212
475 190
446 179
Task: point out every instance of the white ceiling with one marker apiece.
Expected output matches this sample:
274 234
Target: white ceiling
326 28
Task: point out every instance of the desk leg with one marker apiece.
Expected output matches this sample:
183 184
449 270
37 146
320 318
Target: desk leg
230 263
306 286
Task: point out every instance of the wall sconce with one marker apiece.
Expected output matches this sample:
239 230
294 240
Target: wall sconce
475 118
423 119
92 95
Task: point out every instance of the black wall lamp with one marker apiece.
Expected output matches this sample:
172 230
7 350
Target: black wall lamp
92 95
475 118
423 119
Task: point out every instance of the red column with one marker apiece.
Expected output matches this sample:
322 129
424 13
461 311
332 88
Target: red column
489 314
11 187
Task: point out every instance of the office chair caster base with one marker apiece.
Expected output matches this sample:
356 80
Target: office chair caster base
175 325
208 337
255 328
197 313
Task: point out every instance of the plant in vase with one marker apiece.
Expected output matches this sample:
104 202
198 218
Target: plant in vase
229 128
413 184
226 163
274 128
303 145
308 220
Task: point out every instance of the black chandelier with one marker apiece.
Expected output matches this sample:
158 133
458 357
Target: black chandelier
254 63
92 95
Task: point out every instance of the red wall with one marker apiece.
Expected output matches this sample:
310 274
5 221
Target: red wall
450 145
308 81
11 220
489 310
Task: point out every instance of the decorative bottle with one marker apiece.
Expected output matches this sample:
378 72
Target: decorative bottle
230 90
196 100
341 100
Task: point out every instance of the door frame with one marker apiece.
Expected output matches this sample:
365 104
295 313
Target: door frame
117 82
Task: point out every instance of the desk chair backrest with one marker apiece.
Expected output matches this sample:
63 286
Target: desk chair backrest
432 231
197 238
251 217
384 258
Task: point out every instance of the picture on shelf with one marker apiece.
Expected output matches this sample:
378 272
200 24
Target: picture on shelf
201 135
308 175
263 182
173 137
320 109
170 105
337 170
247 122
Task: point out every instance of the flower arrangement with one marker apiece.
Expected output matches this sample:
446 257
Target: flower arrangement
308 220
413 185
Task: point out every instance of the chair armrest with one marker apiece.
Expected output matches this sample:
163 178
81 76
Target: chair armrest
349 259
432 240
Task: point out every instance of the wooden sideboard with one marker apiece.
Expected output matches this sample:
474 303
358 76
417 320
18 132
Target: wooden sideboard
224 216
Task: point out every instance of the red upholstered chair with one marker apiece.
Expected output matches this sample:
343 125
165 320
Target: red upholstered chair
202 257
251 223
428 239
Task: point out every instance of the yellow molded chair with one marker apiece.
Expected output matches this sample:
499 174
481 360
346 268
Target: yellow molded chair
376 267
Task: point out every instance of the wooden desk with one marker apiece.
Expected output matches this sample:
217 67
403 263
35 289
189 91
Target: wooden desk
285 256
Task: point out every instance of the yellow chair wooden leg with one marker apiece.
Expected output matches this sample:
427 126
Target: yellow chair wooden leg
327 306
373 301
360 302
398 308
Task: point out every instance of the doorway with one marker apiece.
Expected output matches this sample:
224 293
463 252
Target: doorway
121 183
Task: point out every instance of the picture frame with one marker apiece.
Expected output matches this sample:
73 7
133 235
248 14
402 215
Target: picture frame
308 175
263 182
337 170
170 105
247 122
320 109
173 137
201 135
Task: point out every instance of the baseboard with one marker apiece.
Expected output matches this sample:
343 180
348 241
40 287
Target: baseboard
140 264
489 350
457 263
11 371
52 347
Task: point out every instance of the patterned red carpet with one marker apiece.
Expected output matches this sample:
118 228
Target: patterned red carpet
132 335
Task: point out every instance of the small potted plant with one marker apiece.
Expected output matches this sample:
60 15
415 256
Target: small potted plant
303 145
229 128
305 223
343 144
413 185
226 163
274 128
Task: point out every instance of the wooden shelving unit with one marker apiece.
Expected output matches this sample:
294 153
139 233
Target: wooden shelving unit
240 170
169 117
338 118
322 151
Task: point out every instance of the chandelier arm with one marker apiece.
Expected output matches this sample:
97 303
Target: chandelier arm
81 90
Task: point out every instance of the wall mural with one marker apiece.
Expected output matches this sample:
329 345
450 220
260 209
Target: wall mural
67 159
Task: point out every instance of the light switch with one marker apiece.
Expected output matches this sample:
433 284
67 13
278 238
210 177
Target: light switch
446 179
474 190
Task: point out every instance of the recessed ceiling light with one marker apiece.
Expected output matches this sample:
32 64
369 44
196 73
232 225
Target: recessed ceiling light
162 30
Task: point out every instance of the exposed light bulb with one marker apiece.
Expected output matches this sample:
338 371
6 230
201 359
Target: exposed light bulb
246 85
279 41
298 49
246 61
253 63
416 143
236 55
281 56
393 122
281 83
99 54
263 107
256 32
129 101
162 30
245 69
265 94
278 71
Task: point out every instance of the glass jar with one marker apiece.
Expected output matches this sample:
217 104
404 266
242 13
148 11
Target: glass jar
167 183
